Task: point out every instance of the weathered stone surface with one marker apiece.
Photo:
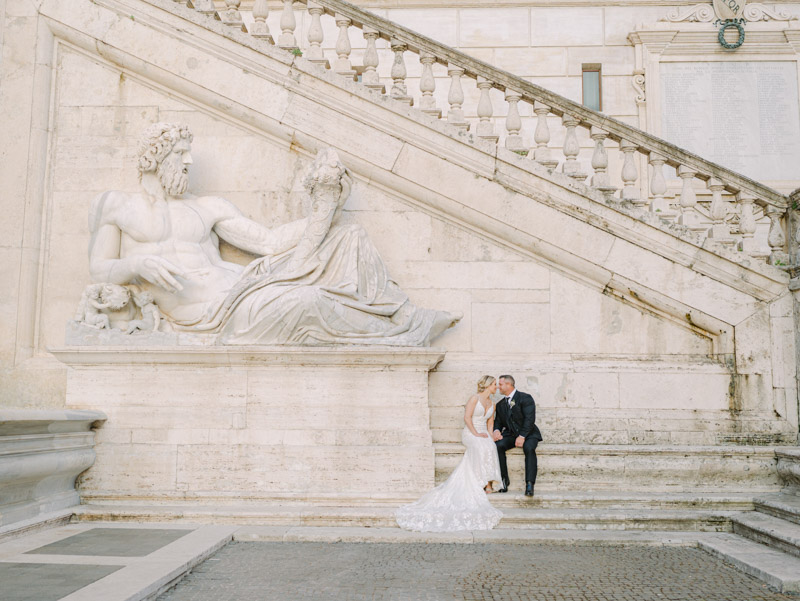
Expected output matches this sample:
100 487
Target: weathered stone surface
256 421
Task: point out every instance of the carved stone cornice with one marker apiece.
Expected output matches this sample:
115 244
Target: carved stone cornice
422 358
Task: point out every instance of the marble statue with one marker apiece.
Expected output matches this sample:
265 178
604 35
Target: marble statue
315 282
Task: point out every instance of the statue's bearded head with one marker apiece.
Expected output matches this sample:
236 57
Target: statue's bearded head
164 150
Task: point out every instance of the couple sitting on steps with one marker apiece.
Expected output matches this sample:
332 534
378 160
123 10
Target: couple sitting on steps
460 502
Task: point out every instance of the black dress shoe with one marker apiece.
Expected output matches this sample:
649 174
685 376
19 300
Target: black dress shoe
529 489
505 486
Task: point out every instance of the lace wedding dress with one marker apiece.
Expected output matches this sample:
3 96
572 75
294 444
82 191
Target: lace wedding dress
460 503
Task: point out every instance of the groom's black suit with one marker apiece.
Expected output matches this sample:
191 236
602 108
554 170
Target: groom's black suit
519 420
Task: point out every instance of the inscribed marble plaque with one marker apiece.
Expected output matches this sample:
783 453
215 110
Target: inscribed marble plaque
742 115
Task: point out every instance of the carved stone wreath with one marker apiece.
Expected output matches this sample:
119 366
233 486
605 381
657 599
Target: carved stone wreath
724 26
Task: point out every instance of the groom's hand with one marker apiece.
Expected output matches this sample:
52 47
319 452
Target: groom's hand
519 442
496 435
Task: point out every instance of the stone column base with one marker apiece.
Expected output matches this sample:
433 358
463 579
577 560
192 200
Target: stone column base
253 423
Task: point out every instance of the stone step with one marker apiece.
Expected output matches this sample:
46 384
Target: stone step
543 499
698 520
783 505
779 570
613 538
769 530
616 500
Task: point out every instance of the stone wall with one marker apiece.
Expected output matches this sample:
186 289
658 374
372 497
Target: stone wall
626 333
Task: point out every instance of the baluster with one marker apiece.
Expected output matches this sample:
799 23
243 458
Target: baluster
776 237
231 15
427 85
485 129
316 35
260 28
630 174
514 124
600 179
719 230
342 65
202 6
455 98
541 136
747 223
571 165
399 90
288 23
658 187
688 203
370 77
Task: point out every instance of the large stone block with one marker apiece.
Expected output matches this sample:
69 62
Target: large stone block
493 27
222 422
573 26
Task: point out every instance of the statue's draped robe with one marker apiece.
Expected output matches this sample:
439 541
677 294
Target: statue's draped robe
342 295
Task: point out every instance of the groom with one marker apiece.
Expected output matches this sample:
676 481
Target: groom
515 426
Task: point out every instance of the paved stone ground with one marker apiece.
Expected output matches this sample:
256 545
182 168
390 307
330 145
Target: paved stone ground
442 572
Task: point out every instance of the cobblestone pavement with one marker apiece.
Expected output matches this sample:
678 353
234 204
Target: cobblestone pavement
449 572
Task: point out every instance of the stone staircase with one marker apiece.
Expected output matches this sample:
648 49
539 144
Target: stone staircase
765 542
715 204
573 511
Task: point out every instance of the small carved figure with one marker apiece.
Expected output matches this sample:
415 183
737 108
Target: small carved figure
90 306
151 316
114 297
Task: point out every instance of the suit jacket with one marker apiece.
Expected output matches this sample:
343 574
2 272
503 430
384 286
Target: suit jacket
519 421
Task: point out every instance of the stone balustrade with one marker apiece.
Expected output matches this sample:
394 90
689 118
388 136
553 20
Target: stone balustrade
712 201
41 455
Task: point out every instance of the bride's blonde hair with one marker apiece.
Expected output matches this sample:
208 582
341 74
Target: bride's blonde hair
484 383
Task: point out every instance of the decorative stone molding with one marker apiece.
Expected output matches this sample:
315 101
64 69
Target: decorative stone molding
760 12
638 82
41 455
789 468
699 13
704 13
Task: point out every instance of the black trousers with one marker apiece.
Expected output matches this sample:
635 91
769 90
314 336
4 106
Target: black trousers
528 447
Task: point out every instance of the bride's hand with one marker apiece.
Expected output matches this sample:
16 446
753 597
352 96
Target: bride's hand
482 435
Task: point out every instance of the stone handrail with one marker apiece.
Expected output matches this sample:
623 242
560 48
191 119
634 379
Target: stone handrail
729 210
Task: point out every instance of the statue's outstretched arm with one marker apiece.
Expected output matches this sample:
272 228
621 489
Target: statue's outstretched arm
246 234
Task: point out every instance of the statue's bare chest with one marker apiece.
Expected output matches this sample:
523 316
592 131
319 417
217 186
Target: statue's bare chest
170 222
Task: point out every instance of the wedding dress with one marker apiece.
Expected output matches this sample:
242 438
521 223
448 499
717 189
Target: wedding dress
460 503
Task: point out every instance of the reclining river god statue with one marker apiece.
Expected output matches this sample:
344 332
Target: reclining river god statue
315 282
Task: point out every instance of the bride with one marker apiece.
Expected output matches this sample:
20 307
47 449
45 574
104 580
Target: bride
460 502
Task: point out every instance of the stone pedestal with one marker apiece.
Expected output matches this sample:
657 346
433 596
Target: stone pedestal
41 455
234 424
